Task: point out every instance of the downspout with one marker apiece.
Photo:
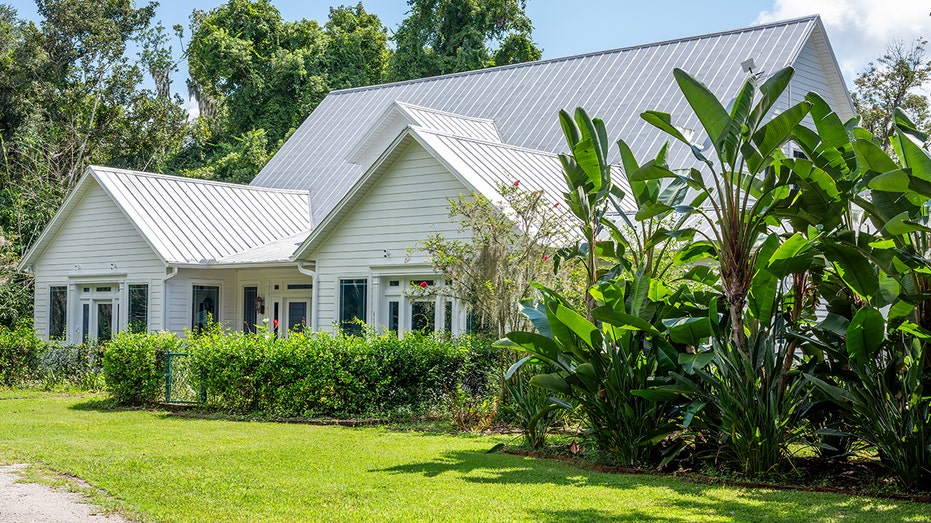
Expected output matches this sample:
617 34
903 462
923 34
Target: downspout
315 294
170 275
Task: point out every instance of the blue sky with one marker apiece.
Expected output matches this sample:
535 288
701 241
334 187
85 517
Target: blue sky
858 29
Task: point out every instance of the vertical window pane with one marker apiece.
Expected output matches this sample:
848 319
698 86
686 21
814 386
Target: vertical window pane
85 321
58 306
249 294
204 306
448 316
352 304
423 316
104 321
138 308
394 315
297 316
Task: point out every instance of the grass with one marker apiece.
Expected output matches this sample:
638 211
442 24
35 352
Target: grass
155 467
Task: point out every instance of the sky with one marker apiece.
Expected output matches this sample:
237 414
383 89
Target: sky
859 30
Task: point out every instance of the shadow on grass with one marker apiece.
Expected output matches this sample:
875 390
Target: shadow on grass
681 500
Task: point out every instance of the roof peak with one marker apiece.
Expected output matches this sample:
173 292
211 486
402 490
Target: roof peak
801 19
185 179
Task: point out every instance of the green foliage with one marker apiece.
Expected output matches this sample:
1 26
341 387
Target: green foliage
885 399
78 366
357 48
510 244
530 407
20 351
606 370
449 36
893 81
134 366
337 375
737 403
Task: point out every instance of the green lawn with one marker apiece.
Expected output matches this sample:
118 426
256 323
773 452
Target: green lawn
161 468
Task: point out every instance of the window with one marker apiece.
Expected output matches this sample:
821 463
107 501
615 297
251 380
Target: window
448 316
352 304
138 308
394 315
300 286
297 316
104 321
249 316
204 306
57 316
423 316
85 321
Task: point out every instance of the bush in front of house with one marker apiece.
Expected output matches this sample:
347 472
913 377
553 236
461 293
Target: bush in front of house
20 351
337 375
134 366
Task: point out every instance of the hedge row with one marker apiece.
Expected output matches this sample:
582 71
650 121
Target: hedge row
313 375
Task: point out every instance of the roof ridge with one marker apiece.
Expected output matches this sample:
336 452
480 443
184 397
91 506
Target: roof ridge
444 113
421 129
185 179
738 30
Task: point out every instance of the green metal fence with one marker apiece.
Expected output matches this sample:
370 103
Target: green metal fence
179 383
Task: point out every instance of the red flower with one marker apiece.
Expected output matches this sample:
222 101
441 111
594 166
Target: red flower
516 183
275 323
423 285
546 257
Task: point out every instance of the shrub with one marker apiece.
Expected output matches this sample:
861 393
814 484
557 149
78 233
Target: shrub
74 365
321 374
134 366
19 354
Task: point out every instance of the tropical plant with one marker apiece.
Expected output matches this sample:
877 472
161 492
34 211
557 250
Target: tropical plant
531 407
887 401
745 188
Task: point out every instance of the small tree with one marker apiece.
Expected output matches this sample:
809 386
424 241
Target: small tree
511 245
892 82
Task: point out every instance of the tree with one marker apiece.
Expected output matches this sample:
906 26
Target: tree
890 82
357 48
256 77
71 96
262 72
511 245
449 36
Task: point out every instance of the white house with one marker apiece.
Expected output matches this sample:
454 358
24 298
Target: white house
322 234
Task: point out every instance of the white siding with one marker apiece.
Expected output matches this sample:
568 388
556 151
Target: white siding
96 235
180 295
409 202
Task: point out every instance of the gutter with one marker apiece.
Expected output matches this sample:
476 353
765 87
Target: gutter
173 272
315 293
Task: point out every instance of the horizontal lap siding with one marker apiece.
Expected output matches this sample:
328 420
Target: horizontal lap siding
408 203
95 235
180 295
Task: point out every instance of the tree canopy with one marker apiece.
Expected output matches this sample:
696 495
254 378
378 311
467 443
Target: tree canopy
449 36
893 81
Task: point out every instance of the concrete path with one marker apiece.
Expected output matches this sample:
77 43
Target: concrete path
35 503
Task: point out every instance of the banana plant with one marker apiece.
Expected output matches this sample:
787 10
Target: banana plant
746 186
609 369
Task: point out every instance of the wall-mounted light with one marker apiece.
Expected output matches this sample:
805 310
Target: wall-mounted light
260 305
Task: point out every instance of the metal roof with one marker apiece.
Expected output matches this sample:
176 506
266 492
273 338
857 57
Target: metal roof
523 100
483 166
190 221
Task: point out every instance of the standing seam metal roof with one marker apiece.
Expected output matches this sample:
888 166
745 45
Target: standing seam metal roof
190 221
523 101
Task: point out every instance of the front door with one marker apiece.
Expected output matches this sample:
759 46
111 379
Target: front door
98 321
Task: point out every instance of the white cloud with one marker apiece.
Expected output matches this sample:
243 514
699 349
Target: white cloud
859 30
